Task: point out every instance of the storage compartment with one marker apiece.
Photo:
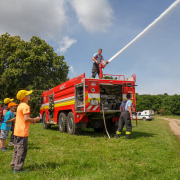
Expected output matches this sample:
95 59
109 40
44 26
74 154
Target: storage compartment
110 96
79 97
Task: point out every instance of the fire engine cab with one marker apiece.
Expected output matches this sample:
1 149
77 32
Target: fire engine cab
80 103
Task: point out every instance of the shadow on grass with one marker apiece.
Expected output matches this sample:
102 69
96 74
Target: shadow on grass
45 165
53 128
90 132
33 146
134 135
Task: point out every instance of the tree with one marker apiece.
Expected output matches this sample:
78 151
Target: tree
29 65
143 102
162 103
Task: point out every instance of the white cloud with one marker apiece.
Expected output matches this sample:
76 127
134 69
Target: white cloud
66 43
71 69
94 15
41 18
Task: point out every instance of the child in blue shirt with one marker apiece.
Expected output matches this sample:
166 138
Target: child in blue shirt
6 125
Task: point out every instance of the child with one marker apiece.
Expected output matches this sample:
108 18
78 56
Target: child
21 130
11 143
6 125
0 114
5 108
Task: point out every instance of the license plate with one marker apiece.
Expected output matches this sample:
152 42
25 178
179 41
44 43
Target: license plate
94 102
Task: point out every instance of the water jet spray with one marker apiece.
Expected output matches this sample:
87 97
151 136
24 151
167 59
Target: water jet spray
148 27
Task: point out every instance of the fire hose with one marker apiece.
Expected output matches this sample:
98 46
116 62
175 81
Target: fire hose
105 122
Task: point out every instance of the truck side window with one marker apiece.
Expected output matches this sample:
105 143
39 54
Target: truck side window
41 100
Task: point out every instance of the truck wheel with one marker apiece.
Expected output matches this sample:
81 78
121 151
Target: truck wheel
71 129
144 119
111 126
62 122
114 128
98 129
45 125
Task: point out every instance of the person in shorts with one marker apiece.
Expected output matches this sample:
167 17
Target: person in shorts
5 108
6 125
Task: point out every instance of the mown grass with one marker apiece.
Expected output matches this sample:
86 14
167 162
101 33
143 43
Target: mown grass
152 153
169 116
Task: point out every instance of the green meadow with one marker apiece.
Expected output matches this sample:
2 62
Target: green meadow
152 153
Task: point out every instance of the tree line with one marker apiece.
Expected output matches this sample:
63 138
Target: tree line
163 104
29 65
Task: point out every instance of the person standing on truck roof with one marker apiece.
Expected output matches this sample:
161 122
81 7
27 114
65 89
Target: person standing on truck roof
21 130
125 118
97 57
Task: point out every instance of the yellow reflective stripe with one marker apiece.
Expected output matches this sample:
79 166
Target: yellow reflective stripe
45 107
86 95
118 132
127 132
65 103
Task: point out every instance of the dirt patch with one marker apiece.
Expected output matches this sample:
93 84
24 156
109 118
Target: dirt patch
174 124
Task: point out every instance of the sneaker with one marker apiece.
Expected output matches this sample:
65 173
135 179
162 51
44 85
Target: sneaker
3 149
17 171
11 144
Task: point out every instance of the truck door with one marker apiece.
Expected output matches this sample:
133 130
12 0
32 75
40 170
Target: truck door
51 108
92 96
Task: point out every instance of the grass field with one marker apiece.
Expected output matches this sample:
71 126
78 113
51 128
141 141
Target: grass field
169 116
152 153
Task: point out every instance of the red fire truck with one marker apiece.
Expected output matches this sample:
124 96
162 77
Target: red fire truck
80 103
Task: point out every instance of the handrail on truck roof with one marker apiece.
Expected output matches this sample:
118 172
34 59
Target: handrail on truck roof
134 77
115 75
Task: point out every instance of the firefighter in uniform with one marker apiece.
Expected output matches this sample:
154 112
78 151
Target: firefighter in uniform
97 57
125 118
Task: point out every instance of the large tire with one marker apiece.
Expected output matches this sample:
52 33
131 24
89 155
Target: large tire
62 120
144 119
71 129
45 125
111 126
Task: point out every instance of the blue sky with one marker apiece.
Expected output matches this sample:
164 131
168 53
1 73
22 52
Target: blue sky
78 28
